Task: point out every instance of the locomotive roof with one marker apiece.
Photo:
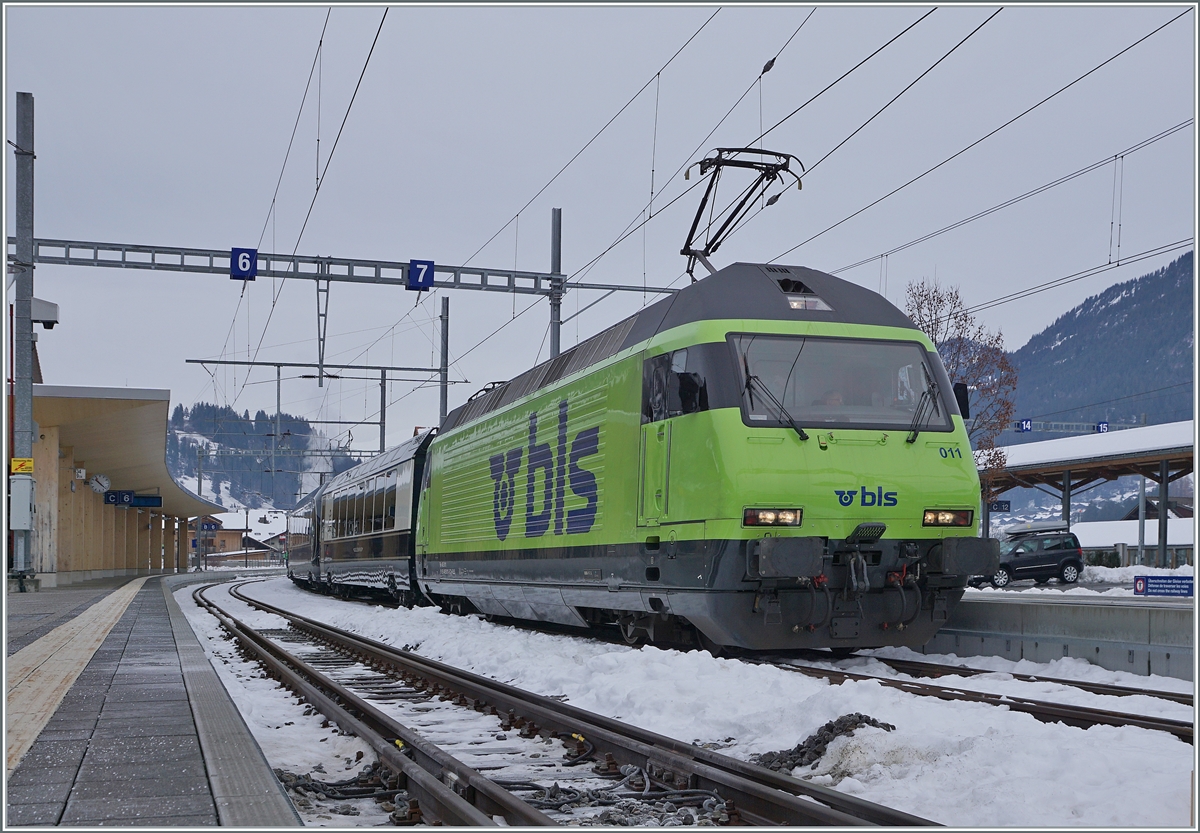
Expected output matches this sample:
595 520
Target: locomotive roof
387 460
740 290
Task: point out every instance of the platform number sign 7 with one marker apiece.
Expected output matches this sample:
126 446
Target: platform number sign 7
420 275
243 264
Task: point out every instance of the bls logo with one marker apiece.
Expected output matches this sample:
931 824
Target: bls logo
556 470
876 497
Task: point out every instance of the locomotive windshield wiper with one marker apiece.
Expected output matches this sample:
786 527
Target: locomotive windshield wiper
751 379
928 400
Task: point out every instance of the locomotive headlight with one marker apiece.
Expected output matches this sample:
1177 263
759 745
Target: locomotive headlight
948 517
772 517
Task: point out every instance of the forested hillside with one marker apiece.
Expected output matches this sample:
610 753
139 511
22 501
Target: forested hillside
240 454
1119 355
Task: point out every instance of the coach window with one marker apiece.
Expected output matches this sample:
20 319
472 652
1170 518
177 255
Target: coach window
389 501
370 523
381 482
336 518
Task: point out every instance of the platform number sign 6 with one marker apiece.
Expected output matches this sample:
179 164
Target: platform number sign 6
243 264
420 275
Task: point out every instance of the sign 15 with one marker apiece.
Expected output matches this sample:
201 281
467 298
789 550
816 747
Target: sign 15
243 264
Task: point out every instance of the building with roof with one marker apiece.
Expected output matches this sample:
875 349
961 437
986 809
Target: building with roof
90 441
1071 465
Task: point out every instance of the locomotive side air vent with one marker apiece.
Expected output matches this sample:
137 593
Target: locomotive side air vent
780 270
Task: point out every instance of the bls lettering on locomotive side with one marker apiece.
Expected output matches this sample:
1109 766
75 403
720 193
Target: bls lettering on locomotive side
557 470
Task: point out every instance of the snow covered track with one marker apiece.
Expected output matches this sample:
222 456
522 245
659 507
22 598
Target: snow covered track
434 800
751 794
933 669
1072 715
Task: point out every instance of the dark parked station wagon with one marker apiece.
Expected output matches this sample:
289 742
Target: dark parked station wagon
1039 555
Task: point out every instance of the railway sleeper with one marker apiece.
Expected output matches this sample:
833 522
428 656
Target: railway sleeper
761 799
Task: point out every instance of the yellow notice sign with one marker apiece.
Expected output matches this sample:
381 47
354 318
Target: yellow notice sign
22 465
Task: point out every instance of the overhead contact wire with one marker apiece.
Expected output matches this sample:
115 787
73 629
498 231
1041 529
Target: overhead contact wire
594 138
317 192
748 217
634 226
1010 202
984 137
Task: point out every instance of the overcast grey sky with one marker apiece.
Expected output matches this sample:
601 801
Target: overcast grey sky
169 125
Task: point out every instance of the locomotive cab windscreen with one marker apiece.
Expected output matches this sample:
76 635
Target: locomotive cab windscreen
845 382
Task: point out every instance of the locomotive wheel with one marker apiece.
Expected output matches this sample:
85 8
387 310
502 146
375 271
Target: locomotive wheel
631 634
718 651
841 653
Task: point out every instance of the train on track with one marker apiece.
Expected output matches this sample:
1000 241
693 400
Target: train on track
772 458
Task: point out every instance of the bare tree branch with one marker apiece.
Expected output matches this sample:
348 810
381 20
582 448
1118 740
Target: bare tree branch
973 355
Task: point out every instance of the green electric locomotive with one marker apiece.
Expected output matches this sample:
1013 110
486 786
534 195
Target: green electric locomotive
771 458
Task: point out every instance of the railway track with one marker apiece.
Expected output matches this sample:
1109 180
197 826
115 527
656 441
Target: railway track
347 671
1046 712
932 669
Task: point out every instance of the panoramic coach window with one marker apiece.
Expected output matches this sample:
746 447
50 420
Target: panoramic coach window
674 384
838 381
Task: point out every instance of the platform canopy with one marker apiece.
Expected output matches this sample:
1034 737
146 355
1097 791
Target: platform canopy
122 434
1096 457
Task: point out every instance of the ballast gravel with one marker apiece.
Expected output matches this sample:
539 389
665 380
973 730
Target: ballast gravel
809 752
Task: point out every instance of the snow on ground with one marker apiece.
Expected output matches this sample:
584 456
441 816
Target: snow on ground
291 740
961 764
188 484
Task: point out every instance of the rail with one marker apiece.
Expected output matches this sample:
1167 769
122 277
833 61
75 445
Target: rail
1080 716
761 796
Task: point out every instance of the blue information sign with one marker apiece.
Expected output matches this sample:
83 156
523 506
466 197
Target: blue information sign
1026 426
1000 506
1162 586
243 264
1102 428
118 497
147 501
420 275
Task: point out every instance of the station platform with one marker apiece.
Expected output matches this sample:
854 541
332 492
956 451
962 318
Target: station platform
115 716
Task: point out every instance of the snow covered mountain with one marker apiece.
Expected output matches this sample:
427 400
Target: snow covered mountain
1120 355
237 461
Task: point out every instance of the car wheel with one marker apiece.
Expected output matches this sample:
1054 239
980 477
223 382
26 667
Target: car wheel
1070 574
1001 577
1042 581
